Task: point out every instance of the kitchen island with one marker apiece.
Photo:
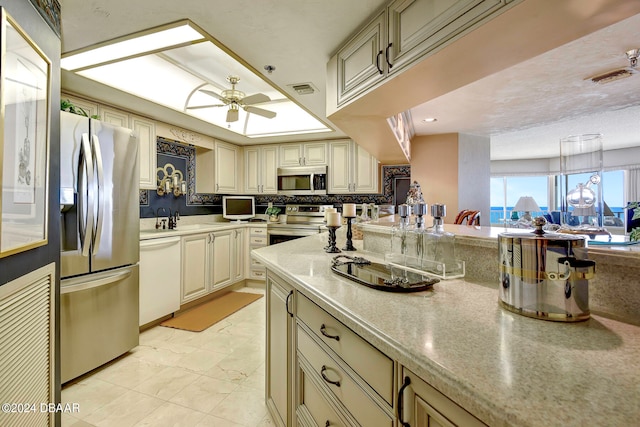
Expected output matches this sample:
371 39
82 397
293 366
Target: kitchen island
502 368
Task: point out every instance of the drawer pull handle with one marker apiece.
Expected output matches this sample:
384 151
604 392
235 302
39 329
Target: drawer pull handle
286 303
327 424
405 384
323 329
324 377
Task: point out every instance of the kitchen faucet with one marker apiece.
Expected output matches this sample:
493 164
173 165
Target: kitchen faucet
157 216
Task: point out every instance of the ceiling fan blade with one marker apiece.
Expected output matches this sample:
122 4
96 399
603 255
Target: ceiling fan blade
212 93
196 107
261 112
232 115
255 99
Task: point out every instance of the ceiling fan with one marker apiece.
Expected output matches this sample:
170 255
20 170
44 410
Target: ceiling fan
237 99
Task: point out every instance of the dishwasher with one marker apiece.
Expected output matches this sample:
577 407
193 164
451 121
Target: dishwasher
159 278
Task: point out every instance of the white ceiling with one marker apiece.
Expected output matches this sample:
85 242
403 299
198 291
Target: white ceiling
525 109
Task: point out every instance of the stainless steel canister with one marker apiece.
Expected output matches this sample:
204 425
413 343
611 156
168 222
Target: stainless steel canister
545 275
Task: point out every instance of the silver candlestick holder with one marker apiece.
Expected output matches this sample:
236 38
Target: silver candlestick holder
332 249
349 245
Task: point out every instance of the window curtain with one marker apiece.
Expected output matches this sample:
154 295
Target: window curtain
633 185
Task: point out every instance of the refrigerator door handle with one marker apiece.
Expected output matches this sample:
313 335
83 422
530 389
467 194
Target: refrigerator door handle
80 284
85 195
99 212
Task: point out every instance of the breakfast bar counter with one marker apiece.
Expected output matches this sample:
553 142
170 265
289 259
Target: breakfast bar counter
503 368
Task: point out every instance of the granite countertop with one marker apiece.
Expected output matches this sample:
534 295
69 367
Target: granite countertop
186 227
506 369
488 236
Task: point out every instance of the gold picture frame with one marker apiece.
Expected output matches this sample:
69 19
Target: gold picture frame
25 87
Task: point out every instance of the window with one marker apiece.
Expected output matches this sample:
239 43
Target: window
506 190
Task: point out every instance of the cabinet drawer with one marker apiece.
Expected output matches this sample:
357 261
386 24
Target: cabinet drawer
346 389
258 241
259 274
372 365
259 232
317 406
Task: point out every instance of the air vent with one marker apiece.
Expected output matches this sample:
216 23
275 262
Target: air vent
613 75
620 73
303 88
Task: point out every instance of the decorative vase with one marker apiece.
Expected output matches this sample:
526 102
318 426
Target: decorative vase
274 218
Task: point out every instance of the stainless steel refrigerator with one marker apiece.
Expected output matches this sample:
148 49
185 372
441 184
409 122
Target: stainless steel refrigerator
99 227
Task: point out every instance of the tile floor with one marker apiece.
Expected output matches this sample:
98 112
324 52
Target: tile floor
180 378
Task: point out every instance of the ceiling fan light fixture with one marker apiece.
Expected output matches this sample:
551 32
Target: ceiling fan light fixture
233 113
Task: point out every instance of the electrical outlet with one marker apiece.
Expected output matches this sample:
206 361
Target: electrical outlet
270 204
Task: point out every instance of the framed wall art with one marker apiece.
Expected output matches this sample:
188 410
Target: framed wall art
25 75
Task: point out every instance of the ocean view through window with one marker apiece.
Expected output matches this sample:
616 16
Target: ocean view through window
506 190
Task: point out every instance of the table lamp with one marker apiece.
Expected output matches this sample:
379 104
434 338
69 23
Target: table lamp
527 205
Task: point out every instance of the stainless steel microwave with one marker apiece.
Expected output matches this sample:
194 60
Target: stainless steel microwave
303 180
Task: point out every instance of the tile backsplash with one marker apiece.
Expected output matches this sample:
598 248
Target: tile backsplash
183 158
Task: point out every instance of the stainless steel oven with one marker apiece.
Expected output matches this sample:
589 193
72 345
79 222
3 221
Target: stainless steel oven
302 220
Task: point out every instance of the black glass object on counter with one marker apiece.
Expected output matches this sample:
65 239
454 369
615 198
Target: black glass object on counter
380 276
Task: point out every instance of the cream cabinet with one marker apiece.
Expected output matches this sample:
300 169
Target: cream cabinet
280 349
239 254
404 32
338 377
195 266
421 405
355 376
227 168
257 239
260 169
211 261
145 129
352 169
113 116
222 261
307 154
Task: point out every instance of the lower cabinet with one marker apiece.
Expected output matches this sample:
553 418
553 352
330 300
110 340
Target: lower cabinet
195 266
422 405
321 373
211 261
279 349
222 262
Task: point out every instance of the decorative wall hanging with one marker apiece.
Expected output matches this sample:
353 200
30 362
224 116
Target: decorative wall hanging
24 143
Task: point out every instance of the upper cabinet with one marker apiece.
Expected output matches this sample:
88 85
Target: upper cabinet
145 130
352 169
405 31
227 168
219 168
307 154
261 167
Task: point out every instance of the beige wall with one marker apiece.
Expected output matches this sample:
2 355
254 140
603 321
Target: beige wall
434 164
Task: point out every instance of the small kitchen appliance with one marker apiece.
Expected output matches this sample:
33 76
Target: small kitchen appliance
545 275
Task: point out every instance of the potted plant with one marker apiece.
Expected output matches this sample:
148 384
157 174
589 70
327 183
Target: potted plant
273 212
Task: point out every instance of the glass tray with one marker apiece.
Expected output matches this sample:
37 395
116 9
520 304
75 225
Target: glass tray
380 276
